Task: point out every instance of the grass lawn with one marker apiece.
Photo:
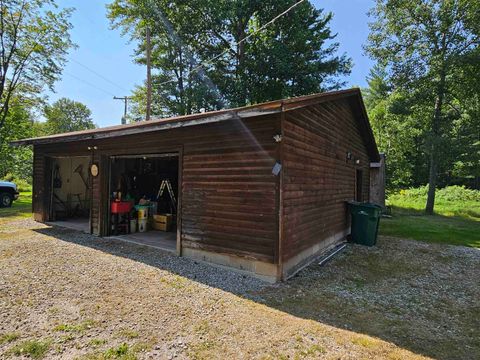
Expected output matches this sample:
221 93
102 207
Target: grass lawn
456 222
22 208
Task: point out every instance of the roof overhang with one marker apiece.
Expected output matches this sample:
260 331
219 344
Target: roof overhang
273 107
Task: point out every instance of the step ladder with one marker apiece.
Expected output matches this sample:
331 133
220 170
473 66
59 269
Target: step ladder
167 184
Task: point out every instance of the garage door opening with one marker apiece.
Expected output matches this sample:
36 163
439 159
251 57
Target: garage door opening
70 195
144 191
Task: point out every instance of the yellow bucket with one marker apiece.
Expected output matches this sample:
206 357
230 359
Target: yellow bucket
142 213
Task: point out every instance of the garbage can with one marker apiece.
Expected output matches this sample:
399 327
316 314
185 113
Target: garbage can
365 221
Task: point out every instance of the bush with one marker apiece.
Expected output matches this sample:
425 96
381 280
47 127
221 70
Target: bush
447 194
458 193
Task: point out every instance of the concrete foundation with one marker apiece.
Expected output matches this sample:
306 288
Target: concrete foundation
259 269
307 256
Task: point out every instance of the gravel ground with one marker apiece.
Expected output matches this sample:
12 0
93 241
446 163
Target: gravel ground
77 296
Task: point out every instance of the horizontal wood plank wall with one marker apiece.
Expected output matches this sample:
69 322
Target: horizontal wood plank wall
38 188
317 178
228 199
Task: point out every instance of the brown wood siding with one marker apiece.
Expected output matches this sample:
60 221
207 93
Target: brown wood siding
317 179
228 192
38 188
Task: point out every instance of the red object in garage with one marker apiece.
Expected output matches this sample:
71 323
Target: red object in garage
121 207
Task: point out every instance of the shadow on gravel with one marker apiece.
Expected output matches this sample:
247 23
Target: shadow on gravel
421 297
234 282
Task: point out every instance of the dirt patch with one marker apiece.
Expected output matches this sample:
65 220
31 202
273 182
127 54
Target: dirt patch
83 297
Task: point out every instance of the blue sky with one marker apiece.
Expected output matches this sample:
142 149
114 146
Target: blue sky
108 53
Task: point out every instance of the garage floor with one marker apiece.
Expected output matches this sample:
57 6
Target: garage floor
79 224
158 239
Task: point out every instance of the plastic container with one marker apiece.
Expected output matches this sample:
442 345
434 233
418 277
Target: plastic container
142 212
142 225
121 207
133 226
365 221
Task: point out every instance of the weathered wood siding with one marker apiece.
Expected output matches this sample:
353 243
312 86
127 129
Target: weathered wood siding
317 179
38 188
228 192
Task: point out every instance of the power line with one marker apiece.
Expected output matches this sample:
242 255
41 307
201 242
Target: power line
89 84
125 100
98 74
263 27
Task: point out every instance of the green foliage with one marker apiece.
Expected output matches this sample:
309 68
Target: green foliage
422 99
22 185
35 40
395 127
426 48
449 193
62 116
33 348
451 201
16 161
456 222
66 115
296 55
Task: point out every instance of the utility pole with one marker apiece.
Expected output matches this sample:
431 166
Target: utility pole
125 99
149 76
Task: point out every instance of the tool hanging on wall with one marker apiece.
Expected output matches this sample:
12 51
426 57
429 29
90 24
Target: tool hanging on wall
57 180
79 171
167 184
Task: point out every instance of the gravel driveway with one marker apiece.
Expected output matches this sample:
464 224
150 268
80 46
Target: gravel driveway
69 295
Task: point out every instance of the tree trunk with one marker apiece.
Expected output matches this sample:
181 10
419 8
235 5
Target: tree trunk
437 116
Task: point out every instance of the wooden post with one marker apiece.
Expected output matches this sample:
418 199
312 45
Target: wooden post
377 182
149 76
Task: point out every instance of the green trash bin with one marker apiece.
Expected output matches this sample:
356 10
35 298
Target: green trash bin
365 221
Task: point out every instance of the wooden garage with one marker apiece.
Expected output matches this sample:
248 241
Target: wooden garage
261 188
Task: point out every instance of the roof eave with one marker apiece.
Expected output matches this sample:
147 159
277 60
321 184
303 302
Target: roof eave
166 125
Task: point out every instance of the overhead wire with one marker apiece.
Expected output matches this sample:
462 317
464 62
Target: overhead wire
89 83
195 69
98 74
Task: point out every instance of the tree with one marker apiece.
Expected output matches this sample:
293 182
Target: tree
393 123
424 44
17 125
34 40
295 55
66 115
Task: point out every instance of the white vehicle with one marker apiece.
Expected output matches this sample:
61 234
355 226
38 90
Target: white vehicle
8 193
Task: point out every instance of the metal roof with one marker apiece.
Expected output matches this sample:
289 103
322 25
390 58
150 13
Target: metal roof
266 108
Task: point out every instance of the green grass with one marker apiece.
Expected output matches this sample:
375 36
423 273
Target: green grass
129 334
120 352
8 337
456 220
21 208
33 348
81 327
